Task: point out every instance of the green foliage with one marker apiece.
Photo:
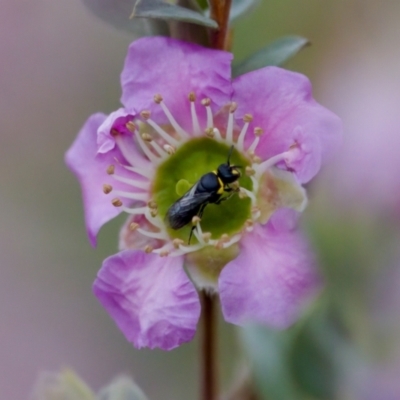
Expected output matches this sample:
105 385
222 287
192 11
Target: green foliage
276 53
241 8
159 9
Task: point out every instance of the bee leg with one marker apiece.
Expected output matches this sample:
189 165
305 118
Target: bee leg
232 192
199 214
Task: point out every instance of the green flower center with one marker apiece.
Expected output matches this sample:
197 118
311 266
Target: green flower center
177 174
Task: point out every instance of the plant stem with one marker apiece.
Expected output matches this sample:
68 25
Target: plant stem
219 11
209 348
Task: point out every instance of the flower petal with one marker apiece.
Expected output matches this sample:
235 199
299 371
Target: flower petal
172 68
150 298
271 279
282 105
90 169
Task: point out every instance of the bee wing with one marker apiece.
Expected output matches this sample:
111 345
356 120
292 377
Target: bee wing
185 208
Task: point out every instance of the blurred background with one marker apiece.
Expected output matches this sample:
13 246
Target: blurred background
59 64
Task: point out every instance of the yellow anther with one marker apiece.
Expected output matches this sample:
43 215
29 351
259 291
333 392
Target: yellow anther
116 202
131 126
258 131
158 98
133 226
256 160
249 171
145 114
148 249
169 149
195 220
247 118
107 188
152 204
110 169
242 194
206 102
209 132
164 253
153 212
206 236
177 242
146 137
192 96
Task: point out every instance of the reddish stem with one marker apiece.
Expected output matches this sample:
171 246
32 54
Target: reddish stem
219 11
209 348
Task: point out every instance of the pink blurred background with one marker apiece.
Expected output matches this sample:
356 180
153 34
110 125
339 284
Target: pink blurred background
58 65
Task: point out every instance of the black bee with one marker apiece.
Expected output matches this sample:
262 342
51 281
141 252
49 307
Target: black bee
208 189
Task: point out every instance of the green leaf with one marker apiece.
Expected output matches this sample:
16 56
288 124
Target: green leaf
122 388
190 32
117 12
269 351
159 9
276 53
240 8
62 386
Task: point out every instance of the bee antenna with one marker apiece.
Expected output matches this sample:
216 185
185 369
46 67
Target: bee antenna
229 155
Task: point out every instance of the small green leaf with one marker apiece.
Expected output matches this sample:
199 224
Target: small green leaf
62 386
240 8
122 388
159 9
269 351
276 53
117 12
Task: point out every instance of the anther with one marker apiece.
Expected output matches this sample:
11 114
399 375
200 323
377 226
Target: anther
148 249
249 171
242 194
177 242
164 253
146 137
255 209
192 96
169 149
258 131
153 212
249 224
222 240
145 114
232 107
133 226
195 220
110 169
107 188
152 205
116 202
209 132
206 236
114 132
131 126
206 102
158 98
247 118
256 160
235 185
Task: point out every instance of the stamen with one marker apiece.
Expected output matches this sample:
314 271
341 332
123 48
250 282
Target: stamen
107 188
261 168
249 225
140 171
169 149
151 156
249 171
131 126
110 169
177 242
132 182
153 235
126 152
209 132
133 226
134 211
217 134
152 204
158 149
164 250
133 196
206 236
257 133
148 249
240 142
116 202
229 129
153 219
195 119
250 194
165 135
210 120
222 240
159 100
233 240
195 220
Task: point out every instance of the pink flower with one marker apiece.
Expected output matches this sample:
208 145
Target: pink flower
182 113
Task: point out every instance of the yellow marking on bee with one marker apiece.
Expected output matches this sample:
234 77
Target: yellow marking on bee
235 172
221 186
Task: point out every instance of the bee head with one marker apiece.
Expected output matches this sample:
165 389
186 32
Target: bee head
228 173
